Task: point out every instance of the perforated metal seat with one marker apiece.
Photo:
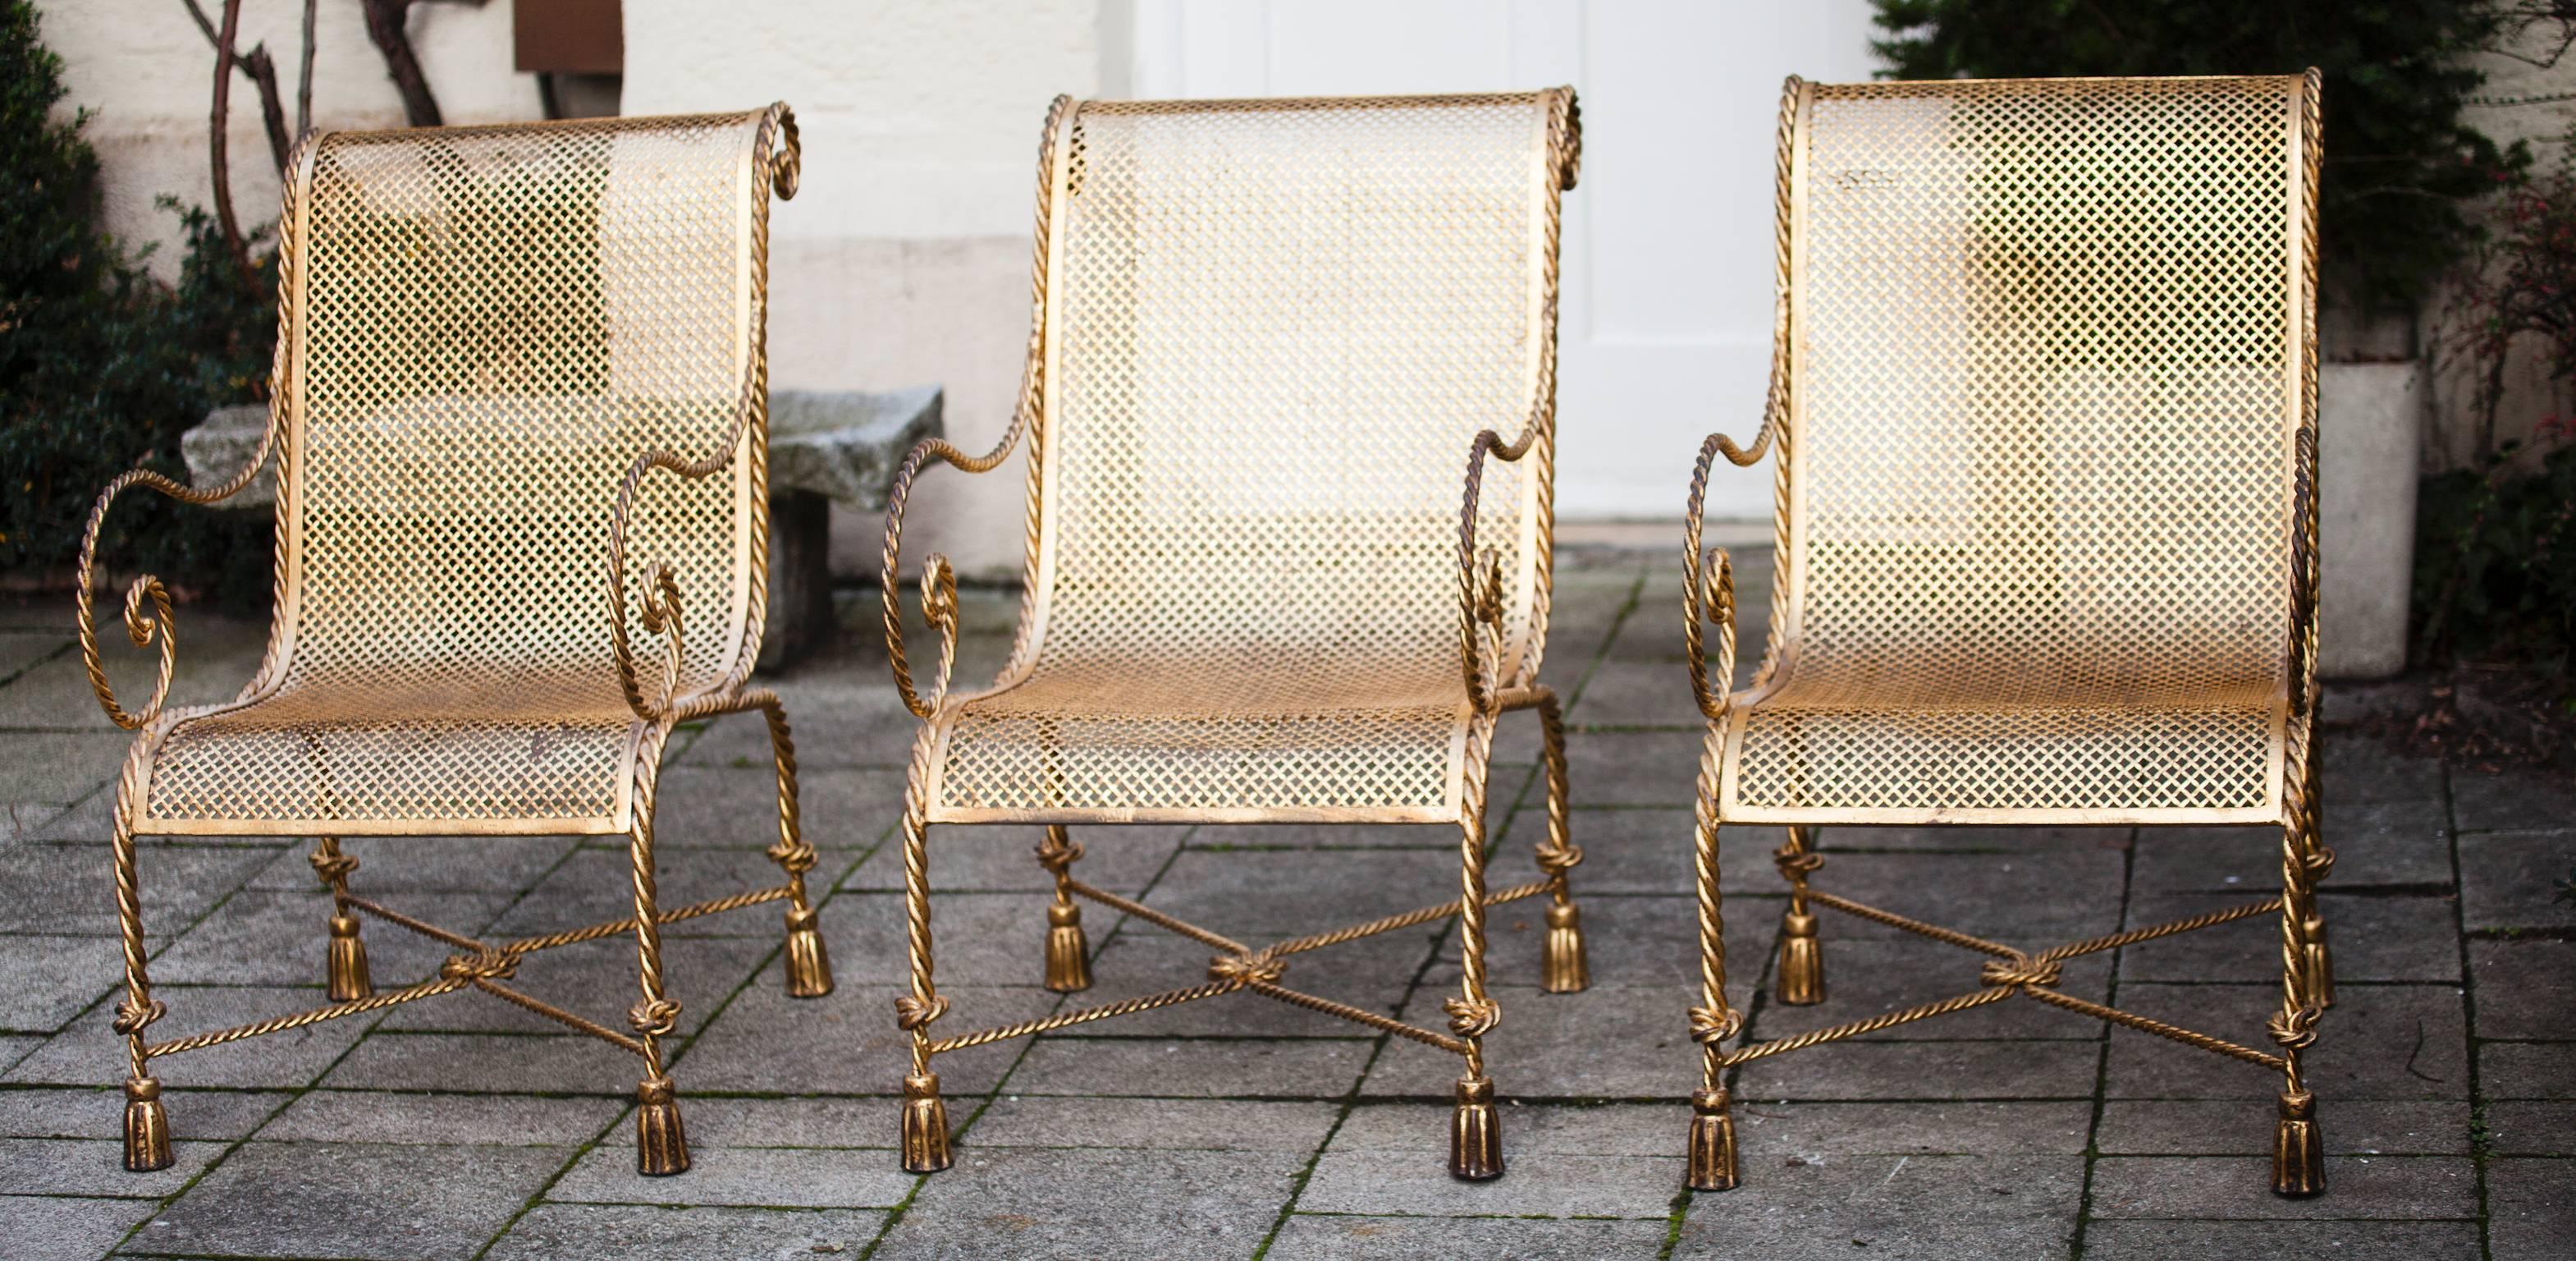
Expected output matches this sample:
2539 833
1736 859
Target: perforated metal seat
489 338
2043 394
1948 749
1269 744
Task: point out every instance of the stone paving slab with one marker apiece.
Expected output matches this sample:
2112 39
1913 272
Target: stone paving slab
2269 1241
357 1200
2398 1187
1049 1204
1342 1237
2001 1206
563 1232
2516 880
61 1226
1223 1128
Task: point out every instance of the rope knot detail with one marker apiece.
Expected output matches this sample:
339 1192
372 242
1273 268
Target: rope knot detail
1248 969
2293 1029
2319 862
1795 863
332 868
795 860
912 1013
1556 860
654 1017
1058 858
2020 971
1711 1025
1472 1017
487 965
130 1019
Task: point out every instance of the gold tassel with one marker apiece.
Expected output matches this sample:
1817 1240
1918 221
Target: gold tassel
147 1126
1475 1133
1712 1142
1068 952
925 1125
1802 961
2320 964
2298 1149
347 969
809 966
661 1145
1562 969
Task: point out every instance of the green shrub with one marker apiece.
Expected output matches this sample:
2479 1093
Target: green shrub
100 364
2398 160
2495 563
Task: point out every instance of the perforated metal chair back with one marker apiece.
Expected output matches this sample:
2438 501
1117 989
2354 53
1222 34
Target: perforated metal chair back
1273 330
2046 375
487 326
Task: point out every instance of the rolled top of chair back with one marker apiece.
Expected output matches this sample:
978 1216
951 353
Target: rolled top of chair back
2052 352
1274 329
488 326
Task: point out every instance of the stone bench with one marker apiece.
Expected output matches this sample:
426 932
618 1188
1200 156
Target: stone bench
824 447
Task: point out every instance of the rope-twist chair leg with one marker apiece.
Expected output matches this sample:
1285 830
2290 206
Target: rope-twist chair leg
1564 969
345 966
1711 1145
924 1130
1802 953
1475 1131
661 1145
147 1123
2298 1149
1068 952
809 965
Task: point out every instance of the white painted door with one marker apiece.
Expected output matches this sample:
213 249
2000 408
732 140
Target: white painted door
1665 327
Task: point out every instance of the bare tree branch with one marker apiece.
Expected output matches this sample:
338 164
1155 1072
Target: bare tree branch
233 241
385 26
304 78
260 70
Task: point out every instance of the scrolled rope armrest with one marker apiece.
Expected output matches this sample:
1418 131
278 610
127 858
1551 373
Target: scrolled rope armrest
776 151
1480 575
1708 583
938 577
159 625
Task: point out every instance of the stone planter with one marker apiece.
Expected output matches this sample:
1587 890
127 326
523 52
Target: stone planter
2370 420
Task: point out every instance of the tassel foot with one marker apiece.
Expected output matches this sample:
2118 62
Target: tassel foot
1712 1142
1475 1133
147 1126
1562 969
661 1145
1068 952
1802 961
925 1125
809 966
2298 1149
347 968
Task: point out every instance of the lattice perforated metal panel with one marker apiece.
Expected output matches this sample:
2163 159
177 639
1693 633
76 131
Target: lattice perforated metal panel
495 322
2047 375
1275 329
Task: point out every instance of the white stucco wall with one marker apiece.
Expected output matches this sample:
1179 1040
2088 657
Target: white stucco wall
147 77
904 259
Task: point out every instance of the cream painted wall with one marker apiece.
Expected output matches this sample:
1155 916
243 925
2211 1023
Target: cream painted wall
904 259
147 76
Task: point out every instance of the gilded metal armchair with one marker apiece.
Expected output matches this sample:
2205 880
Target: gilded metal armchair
2043 396
489 339
1263 335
